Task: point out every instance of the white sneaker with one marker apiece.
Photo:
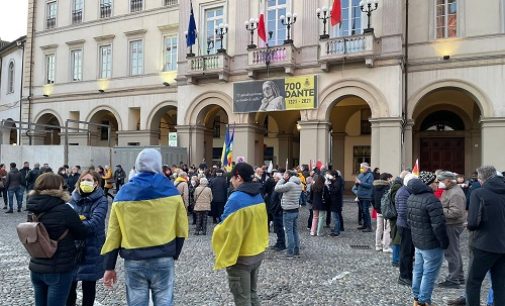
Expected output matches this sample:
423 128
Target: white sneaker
378 249
388 250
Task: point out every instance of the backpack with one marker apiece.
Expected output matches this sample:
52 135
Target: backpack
388 207
34 237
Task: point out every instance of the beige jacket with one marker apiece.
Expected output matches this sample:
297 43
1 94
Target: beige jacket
203 197
454 205
182 186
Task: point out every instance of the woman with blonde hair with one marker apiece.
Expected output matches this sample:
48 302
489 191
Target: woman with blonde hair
52 277
203 197
89 201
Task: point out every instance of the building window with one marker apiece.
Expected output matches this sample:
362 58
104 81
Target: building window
105 62
10 78
77 11
351 20
366 126
51 15
76 58
216 129
171 2
136 57
50 68
170 53
213 18
446 18
361 154
105 8
136 5
104 131
275 9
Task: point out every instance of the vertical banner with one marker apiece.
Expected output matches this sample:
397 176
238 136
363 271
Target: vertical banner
291 93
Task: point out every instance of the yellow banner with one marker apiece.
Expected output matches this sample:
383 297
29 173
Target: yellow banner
300 92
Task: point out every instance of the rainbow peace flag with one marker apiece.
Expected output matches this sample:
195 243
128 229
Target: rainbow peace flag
227 154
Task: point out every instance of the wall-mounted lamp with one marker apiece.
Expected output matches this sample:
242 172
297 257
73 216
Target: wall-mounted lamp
101 91
166 83
446 57
298 126
45 95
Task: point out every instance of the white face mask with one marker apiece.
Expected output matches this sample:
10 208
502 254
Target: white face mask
193 183
441 185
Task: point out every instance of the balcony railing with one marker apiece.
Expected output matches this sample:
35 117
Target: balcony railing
105 10
206 66
76 16
50 22
171 2
136 5
272 57
351 47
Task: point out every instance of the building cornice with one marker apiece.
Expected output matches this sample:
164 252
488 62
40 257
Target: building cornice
49 47
135 32
75 42
174 27
104 37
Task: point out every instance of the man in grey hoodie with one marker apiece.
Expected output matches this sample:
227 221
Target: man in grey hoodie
290 188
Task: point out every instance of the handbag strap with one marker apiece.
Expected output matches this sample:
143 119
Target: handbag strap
36 218
196 198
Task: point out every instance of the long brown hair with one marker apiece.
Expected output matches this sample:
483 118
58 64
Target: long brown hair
318 183
48 181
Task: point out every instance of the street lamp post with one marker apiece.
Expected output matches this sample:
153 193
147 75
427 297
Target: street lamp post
325 16
368 6
251 26
221 31
288 21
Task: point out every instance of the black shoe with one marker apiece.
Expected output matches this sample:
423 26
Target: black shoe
404 281
334 234
461 301
279 248
361 227
367 230
19 209
9 211
395 264
448 285
461 281
5 207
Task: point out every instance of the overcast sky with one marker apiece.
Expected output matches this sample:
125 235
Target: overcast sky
13 19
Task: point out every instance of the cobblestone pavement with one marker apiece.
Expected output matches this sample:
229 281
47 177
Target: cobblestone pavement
328 272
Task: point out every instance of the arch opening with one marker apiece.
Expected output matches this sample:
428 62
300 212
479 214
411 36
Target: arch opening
47 135
99 135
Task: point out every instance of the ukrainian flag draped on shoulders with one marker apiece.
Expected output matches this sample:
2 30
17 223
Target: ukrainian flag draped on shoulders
243 231
148 220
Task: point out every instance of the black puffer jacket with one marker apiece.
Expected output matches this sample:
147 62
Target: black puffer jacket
486 216
425 217
58 217
336 194
218 186
380 187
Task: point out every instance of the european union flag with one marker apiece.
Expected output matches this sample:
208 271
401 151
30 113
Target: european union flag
191 37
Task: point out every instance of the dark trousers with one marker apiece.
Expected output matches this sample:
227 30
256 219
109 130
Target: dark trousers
311 215
407 252
360 214
88 293
328 218
364 204
341 220
243 280
4 196
480 263
201 222
279 230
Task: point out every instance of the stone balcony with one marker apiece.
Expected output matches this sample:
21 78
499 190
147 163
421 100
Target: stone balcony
350 48
208 67
278 57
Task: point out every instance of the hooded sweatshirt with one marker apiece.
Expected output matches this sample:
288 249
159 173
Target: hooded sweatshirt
242 235
153 210
291 191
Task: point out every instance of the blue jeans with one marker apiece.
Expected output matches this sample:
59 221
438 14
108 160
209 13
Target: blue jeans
335 216
157 275
364 204
395 257
303 198
51 289
490 295
426 268
290 224
18 191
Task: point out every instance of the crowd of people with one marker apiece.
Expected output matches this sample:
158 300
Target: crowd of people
420 219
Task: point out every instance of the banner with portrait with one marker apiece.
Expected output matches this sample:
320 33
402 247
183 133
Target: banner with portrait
290 93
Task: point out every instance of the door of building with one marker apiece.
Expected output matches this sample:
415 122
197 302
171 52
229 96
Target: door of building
446 153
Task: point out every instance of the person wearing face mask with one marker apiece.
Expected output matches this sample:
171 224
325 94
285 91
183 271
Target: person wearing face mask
89 201
364 183
454 203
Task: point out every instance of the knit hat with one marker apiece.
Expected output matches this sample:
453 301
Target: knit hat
408 177
443 175
148 160
427 177
245 170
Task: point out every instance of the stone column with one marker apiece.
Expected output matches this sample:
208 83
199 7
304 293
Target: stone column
493 146
386 144
314 140
338 151
243 143
285 150
408 144
197 144
183 139
209 137
259 145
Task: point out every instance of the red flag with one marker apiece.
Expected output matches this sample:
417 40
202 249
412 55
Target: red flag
319 165
336 12
262 32
415 170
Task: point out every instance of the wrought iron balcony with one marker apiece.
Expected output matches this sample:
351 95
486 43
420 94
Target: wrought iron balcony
262 59
76 16
349 48
136 5
171 2
50 22
208 66
105 10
